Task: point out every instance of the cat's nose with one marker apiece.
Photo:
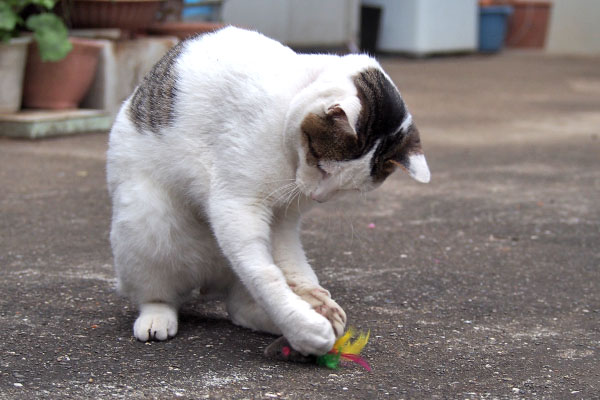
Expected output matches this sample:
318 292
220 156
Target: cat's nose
318 199
325 189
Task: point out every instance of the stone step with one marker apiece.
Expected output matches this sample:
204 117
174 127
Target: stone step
34 124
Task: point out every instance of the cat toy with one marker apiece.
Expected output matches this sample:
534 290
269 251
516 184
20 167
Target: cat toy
344 349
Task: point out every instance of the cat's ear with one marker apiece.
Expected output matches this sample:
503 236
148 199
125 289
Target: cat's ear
412 159
416 167
329 136
339 116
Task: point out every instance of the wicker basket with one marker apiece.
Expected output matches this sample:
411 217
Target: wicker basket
123 14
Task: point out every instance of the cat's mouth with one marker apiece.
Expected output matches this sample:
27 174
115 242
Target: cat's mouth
328 189
319 199
331 195
325 189
321 196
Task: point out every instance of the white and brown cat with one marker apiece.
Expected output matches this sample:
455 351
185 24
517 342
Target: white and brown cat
208 153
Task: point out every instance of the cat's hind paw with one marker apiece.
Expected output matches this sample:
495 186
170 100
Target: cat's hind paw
157 321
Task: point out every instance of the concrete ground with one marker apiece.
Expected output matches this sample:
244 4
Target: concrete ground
483 284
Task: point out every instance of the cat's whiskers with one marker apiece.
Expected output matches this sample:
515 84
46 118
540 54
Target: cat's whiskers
284 189
285 194
362 192
281 180
288 201
353 232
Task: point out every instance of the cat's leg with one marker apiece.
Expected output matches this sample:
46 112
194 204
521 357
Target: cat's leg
289 256
245 311
242 229
155 253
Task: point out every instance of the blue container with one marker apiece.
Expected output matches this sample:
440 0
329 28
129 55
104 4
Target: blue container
492 27
192 12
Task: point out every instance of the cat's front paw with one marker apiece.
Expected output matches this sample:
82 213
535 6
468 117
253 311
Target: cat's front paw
320 300
309 333
157 321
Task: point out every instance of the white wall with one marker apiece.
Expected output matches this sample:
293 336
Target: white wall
574 27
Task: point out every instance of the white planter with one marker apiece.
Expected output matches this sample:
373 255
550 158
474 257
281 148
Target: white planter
12 69
422 27
298 23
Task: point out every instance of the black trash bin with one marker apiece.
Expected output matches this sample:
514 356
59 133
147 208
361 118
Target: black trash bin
369 28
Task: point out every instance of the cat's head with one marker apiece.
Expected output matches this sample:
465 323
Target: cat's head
358 133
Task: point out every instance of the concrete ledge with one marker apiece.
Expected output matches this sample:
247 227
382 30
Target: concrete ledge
34 124
122 66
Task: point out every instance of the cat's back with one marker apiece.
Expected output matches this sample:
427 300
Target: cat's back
211 75
234 63
231 86
234 45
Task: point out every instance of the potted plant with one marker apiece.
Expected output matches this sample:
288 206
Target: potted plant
528 25
58 85
49 32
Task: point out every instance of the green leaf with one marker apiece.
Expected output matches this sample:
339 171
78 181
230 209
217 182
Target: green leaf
8 18
51 35
48 4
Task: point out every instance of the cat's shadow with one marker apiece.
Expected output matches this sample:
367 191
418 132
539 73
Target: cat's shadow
216 330
208 326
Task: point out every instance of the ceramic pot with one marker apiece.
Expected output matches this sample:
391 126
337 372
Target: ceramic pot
123 14
528 25
61 84
12 69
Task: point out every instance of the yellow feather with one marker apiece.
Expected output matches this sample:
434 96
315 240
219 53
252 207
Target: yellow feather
345 345
341 342
357 345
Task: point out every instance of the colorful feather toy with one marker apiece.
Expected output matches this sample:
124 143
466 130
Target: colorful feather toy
344 349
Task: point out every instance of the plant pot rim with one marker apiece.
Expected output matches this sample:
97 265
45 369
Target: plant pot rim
80 41
85 41
18 40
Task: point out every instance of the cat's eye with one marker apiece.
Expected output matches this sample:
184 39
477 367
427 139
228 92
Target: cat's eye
324 174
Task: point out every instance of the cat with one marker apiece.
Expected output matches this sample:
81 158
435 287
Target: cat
215 156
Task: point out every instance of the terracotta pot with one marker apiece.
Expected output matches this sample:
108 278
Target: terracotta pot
12 68
61 84
184 29
123 14
528 25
